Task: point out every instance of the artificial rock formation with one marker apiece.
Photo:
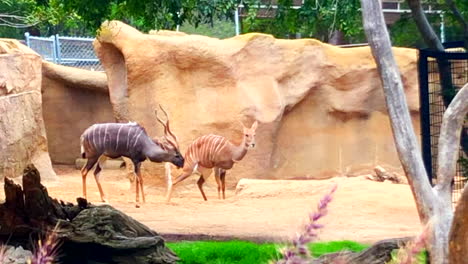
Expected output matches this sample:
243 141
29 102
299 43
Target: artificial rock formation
72 99
321 108
22 134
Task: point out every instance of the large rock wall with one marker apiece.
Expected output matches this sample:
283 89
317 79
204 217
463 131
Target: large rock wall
321 107
73 99
22 134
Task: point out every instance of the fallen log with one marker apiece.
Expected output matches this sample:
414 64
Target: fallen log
87 233
380 252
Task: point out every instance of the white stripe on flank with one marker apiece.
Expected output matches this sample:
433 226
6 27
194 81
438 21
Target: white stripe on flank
203 150
208 148
128 136
198 150
222 147
99 136
204 147
118 134
136 140
215 144
191 158
105 135
211 147
94 141
209 144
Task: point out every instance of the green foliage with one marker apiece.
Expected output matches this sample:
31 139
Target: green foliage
219 29
420 258
18 8
45 17
405 33
464 167
317 19
321 248
147 15
243 252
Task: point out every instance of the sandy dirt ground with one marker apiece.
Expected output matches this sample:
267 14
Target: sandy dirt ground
258 210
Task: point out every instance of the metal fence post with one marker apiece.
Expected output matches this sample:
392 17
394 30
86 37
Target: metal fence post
54 50
28 43
57 47
424 111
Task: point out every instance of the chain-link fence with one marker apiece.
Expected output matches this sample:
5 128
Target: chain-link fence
70 51
434 98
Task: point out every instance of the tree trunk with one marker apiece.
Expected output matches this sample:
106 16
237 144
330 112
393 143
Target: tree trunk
89 234
433 205
458 245
403 132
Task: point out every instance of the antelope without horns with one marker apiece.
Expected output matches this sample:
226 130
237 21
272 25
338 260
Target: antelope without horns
114 140
212 152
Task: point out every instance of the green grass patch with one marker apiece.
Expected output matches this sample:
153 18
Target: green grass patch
244 252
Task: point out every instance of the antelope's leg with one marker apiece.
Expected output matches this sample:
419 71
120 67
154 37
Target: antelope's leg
167 167
218 181
97 171
140 180
84 172
137 182
223 181
129 169
181 177
200 186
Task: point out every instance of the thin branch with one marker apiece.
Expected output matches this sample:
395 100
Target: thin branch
427 32
12 16
15 21
449 141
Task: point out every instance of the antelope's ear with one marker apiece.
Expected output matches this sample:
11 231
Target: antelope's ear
254 125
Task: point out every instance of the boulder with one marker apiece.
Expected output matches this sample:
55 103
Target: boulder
16 255
321 108
23 137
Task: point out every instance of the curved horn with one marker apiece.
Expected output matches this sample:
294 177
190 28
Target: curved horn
167 123
160 121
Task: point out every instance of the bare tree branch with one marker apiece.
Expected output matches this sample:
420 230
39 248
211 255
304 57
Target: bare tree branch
428 34
449 140
15 21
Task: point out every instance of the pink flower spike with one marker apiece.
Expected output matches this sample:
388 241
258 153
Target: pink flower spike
299 252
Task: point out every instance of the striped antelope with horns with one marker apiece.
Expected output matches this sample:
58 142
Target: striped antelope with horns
212 152
113 140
